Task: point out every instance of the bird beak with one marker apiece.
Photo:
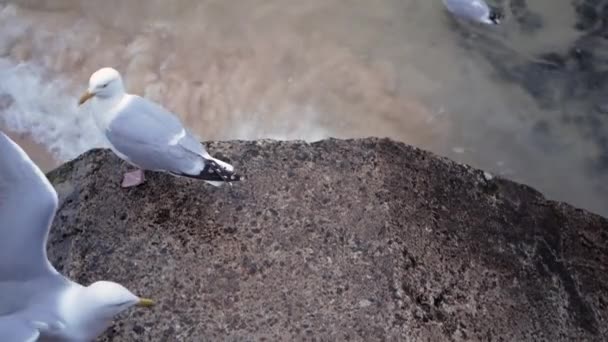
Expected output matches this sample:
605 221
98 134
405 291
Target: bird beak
145 302
85 97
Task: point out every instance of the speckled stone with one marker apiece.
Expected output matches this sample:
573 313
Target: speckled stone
362 240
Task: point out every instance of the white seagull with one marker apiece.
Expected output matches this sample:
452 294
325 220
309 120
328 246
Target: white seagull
35 300
147 136
475 10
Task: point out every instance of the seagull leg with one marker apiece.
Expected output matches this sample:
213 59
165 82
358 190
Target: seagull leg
133 178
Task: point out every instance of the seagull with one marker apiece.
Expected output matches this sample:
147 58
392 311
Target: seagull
475 10
36 301
148 136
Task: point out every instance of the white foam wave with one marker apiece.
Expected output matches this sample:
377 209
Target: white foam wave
44 108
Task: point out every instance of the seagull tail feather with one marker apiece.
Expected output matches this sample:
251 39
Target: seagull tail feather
495 17
216 173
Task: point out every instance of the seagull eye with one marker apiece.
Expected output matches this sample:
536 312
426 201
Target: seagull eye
105 85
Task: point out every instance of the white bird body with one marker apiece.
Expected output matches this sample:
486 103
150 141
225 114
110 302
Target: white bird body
36 301
148 136
474 10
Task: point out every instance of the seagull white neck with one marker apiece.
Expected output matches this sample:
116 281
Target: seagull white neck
106 109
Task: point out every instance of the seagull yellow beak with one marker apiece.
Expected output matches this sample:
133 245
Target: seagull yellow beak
145 302
85 97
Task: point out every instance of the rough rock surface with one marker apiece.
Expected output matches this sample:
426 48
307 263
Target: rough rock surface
362 240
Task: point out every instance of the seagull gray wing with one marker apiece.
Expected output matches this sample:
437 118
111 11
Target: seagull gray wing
153 138
15 329
28 204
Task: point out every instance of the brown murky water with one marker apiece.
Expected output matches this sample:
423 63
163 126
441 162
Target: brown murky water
295 70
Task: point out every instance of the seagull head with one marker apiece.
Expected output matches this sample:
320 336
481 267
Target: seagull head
105 299
90 310
104 83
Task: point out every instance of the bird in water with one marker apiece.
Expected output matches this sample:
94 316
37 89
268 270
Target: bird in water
474 10
148 136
